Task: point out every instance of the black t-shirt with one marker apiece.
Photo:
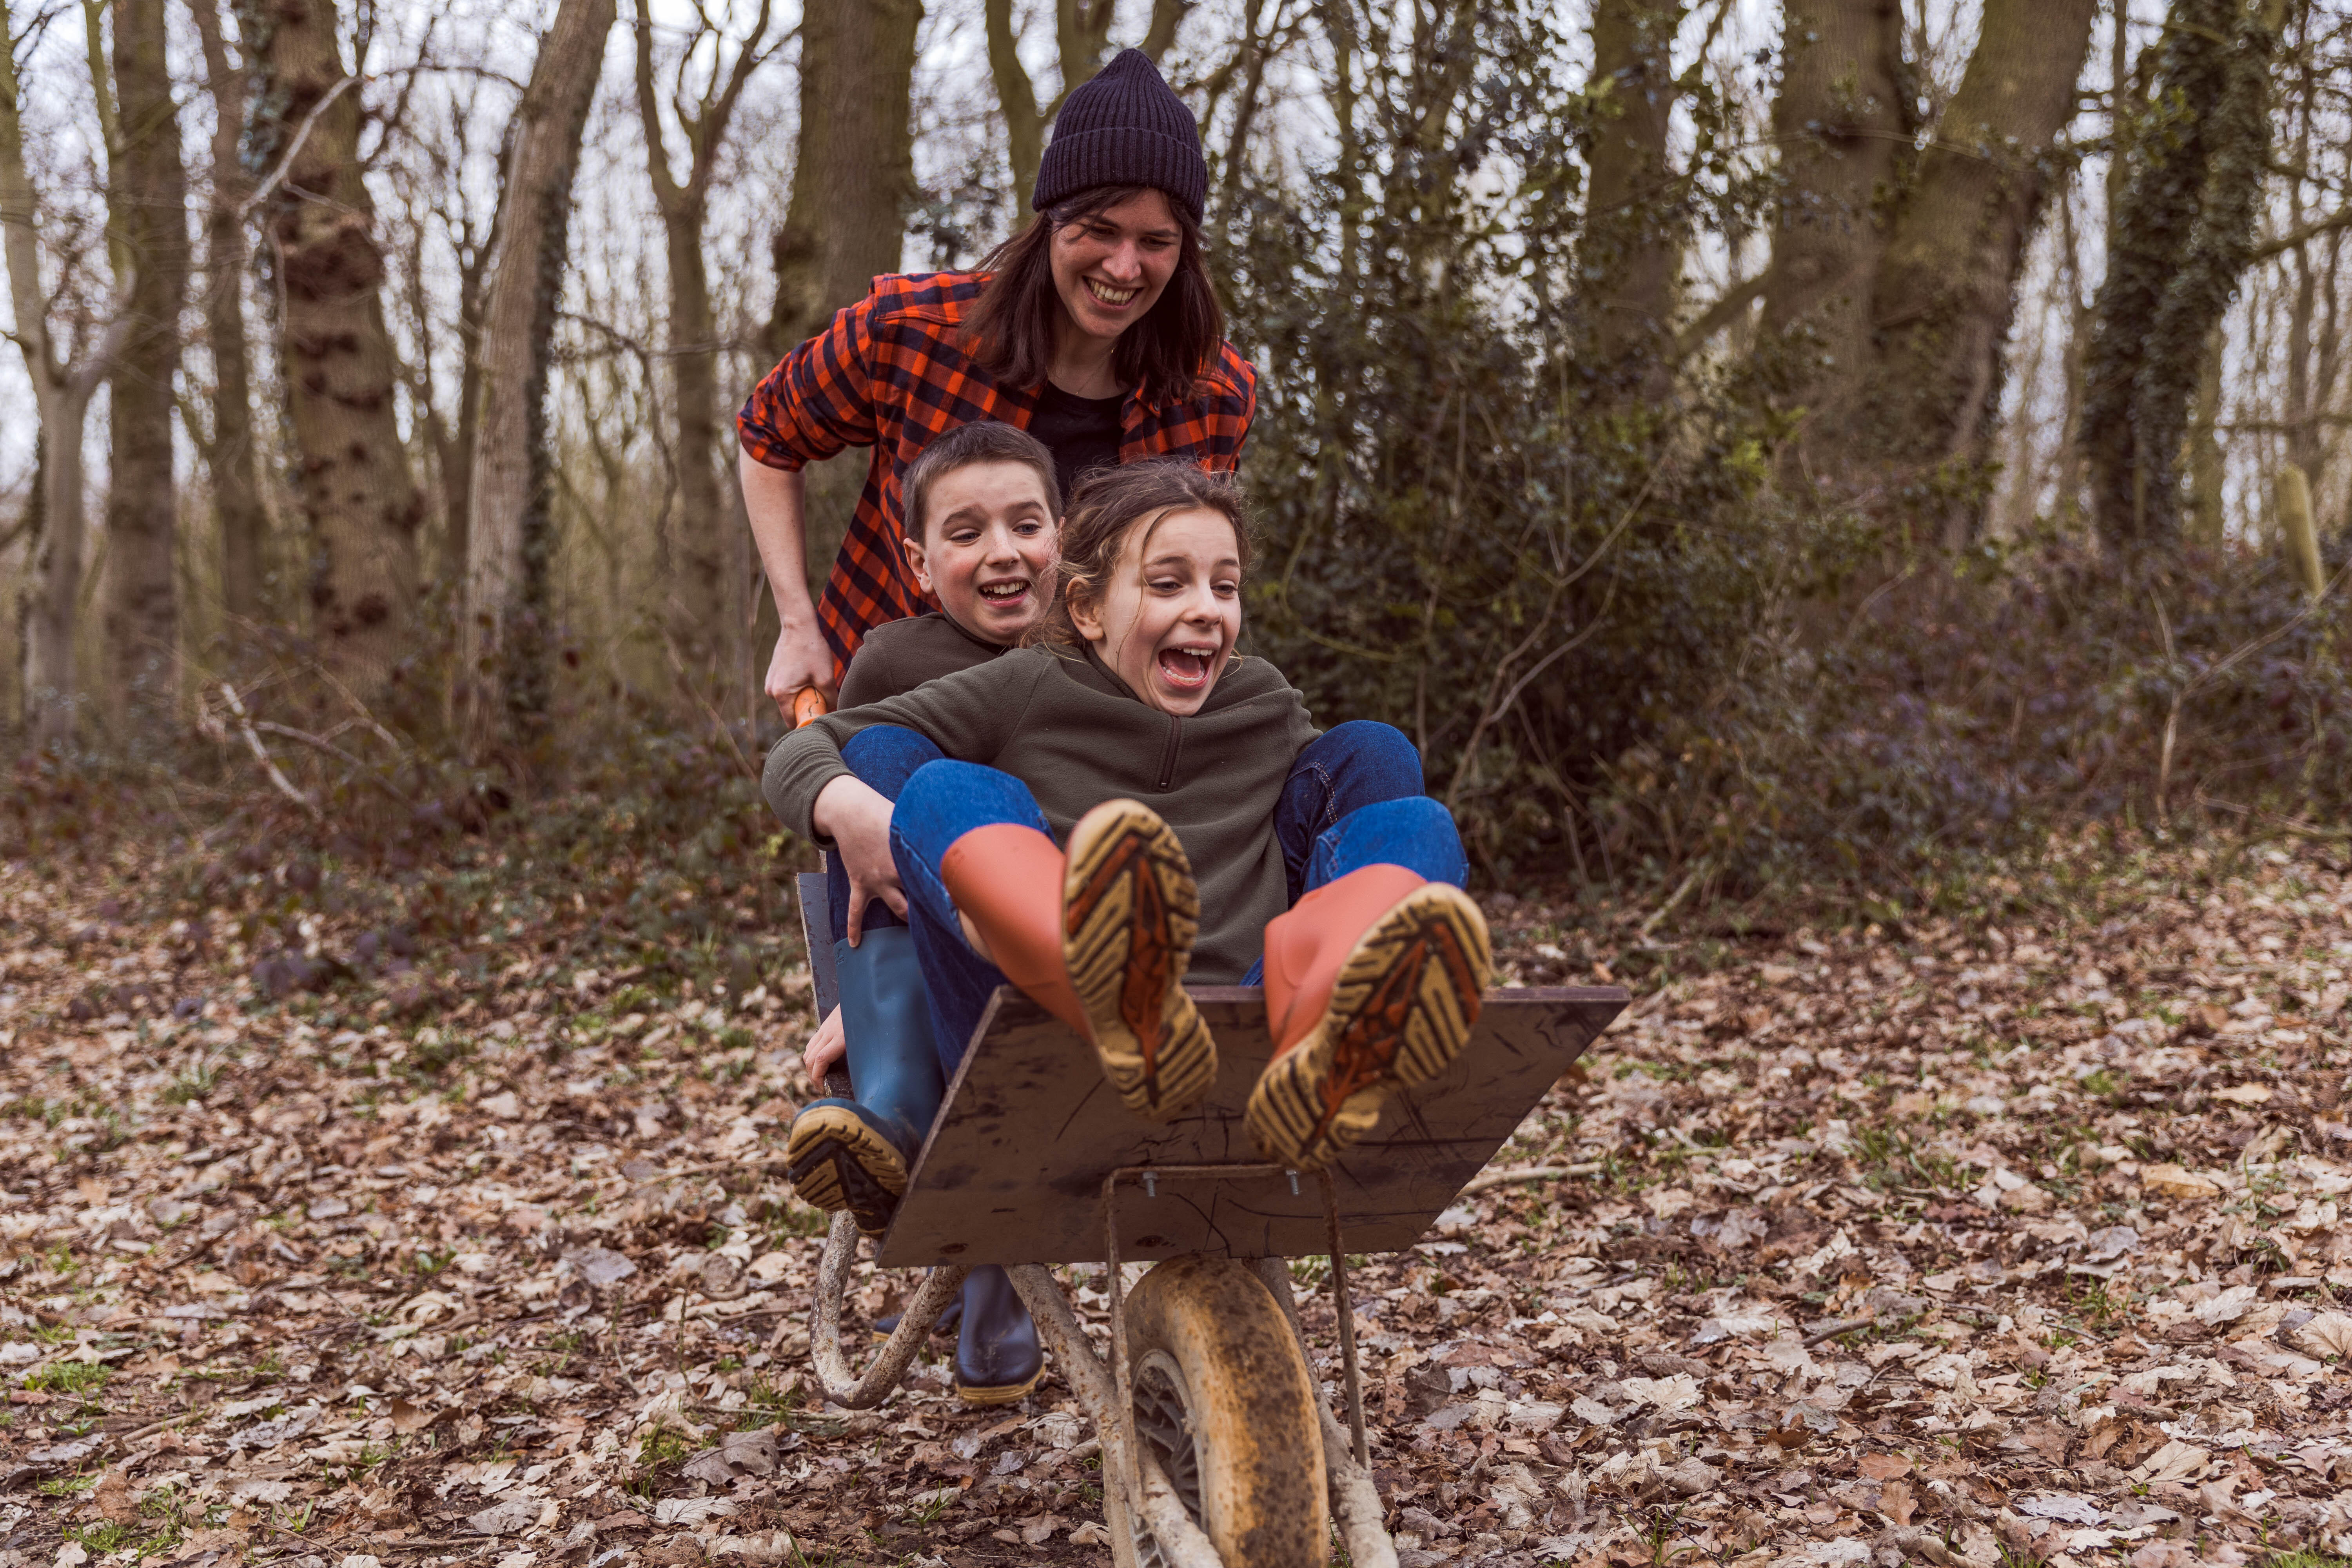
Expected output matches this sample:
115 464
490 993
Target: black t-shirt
1081 432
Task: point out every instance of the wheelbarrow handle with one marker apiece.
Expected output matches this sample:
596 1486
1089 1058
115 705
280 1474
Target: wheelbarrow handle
808 706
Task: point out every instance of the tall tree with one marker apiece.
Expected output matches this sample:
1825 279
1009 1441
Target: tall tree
2184 231
147 192
1633 244
351 474
228 448
64 381
1081 39
1946 284
503 638
1894 274
704 540
1839 115
852 182
854 168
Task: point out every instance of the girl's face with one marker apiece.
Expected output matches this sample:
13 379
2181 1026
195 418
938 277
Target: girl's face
987 548
1169 618
1109 269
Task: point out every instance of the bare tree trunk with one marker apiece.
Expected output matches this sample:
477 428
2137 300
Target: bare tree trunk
147 201
854 170
1631 249
351 473
706 542
62 390
1840 118
2183 233
1946 284
502 635
456 448
235 475
853 180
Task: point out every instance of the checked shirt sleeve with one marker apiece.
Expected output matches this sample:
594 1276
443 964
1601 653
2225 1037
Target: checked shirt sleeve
818 399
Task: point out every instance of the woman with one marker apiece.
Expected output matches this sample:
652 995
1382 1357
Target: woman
1095 329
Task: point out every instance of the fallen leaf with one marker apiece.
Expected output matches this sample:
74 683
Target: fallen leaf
2176 1182
1883 1467
407 1417
2176 1461
503 1519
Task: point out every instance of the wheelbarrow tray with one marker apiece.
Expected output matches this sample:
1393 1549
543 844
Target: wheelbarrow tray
1013 1169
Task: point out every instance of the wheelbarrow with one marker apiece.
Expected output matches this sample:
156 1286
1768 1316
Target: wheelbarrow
1218 1447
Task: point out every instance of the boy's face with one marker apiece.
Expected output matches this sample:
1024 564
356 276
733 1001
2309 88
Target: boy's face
986 549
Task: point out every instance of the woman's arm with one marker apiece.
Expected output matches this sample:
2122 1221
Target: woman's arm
818 400
773 501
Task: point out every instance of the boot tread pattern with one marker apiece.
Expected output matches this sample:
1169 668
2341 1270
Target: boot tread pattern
1130 914
1400 1011
837 1161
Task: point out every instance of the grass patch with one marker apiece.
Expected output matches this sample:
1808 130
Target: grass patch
67 1377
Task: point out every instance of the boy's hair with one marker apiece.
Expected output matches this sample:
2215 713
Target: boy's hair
989 441
1110 504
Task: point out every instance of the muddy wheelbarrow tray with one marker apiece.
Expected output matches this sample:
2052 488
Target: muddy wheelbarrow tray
1210 1416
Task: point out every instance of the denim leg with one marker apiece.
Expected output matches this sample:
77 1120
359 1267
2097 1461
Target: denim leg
941 803
1347 768
1417 834
884 757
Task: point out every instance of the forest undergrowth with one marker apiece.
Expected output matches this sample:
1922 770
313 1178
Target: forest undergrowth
412 1201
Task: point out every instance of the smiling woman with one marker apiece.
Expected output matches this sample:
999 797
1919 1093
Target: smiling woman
1095 330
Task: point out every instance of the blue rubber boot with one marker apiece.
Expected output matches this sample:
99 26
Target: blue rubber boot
997 1357
856 1154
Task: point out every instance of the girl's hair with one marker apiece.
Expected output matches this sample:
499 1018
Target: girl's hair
1107 507
985 442
1012 326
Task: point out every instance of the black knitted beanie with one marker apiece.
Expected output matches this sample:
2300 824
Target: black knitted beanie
1125 127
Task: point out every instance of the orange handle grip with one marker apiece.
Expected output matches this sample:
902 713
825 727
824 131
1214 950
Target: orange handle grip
808 705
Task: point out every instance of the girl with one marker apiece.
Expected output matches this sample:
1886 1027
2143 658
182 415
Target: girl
1096 329
1133 733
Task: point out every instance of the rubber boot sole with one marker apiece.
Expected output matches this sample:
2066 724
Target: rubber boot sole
837 1161
1130 911
1002 1395
1400 1011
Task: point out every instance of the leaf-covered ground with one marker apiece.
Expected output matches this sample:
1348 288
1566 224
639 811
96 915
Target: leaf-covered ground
417 1215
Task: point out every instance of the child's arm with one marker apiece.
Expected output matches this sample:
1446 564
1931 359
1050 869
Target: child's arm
857 817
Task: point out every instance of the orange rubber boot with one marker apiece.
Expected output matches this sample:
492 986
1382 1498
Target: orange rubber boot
1007 880
1372 985
1130 911
1100 939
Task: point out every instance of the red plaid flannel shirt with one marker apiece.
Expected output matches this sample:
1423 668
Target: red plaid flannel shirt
891 373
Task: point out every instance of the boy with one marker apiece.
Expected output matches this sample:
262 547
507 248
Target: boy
984 515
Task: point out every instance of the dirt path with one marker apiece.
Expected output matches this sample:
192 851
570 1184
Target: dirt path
2012 1245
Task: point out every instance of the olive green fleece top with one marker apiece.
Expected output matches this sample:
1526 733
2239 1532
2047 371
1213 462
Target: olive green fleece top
1060 721
899 656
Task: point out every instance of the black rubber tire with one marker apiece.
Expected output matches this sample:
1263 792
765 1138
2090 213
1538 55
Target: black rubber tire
1211 1356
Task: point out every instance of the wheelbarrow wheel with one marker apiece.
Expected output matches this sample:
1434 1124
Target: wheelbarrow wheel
1226 1403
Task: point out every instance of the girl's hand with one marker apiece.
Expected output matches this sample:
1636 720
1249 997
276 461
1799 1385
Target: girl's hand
826 1050
856 818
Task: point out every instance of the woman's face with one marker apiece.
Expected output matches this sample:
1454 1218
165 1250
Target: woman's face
1168 620
1109 269
987 548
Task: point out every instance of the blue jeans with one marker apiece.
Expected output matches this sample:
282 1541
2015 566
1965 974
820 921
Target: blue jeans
1353 799
884 757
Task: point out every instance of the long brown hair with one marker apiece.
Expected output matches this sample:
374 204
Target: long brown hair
1012 324
1106 507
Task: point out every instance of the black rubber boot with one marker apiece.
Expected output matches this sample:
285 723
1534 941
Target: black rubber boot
856 1154
997 1356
